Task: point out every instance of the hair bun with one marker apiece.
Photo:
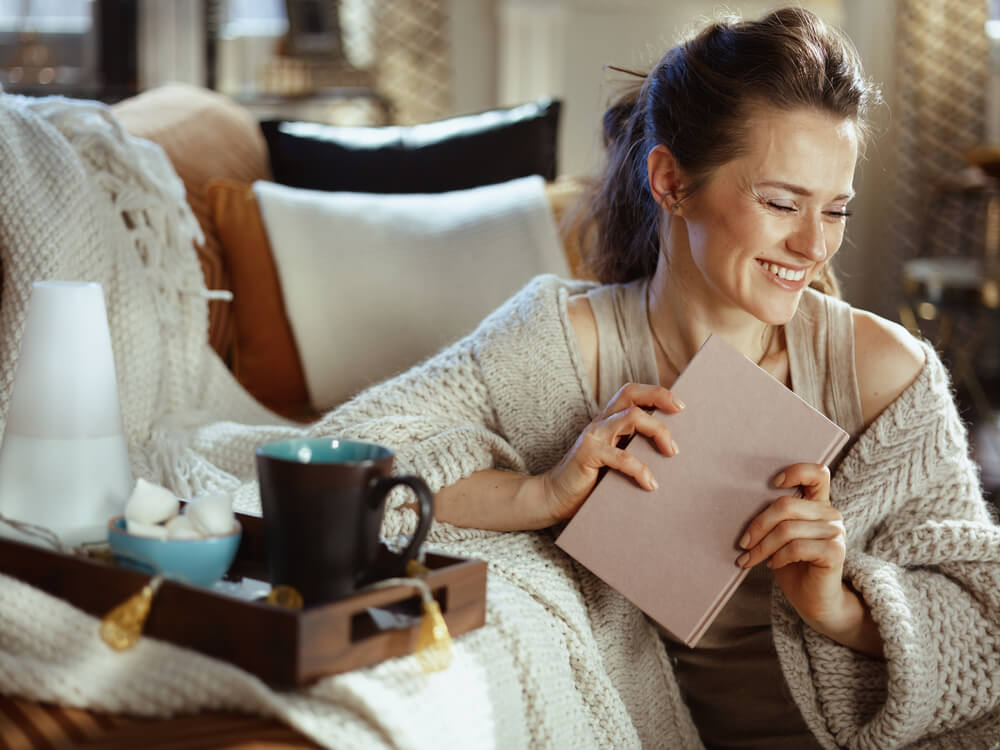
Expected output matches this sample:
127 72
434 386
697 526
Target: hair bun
618 117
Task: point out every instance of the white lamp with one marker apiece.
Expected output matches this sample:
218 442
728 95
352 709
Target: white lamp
64 459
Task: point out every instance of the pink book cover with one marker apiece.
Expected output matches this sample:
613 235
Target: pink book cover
672 552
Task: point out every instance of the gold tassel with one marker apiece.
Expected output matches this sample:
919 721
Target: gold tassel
121 628
433 639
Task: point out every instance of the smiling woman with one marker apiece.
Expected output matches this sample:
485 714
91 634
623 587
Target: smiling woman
721 207
768 220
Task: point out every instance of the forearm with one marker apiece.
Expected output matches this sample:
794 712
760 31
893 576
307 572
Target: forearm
496 500
854 626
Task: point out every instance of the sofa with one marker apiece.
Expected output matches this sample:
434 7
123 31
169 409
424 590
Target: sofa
561 660
219 151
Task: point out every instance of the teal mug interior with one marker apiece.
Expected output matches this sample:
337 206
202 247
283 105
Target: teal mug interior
324 451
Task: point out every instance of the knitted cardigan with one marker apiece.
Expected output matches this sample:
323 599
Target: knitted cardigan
562 661
923 549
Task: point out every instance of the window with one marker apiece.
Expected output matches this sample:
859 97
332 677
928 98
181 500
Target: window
46 16
354 22
48 45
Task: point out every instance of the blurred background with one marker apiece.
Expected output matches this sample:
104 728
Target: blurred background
923 246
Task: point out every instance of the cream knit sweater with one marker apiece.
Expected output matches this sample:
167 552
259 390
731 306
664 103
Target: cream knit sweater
563 661
923 549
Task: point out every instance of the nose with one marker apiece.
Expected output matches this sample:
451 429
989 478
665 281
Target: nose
809 238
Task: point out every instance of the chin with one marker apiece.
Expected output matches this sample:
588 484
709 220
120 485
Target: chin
777 312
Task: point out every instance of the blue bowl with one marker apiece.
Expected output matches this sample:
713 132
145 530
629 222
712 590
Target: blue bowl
201 562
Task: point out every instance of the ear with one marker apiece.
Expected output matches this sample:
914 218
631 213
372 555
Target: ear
664 179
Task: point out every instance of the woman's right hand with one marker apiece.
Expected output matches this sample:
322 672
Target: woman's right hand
568 483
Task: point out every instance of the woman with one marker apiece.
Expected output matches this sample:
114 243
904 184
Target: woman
723 202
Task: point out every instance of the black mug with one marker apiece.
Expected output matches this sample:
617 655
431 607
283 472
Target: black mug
322 501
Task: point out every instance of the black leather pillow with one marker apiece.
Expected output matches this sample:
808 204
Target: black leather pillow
461 152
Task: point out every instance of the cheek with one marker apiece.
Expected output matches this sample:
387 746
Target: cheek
727 233
834 239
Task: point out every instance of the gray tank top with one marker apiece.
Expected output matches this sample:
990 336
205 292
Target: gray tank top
732 681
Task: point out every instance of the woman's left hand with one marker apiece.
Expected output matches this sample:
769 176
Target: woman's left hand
804 543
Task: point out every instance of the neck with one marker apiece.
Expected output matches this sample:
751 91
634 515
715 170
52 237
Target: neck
681 321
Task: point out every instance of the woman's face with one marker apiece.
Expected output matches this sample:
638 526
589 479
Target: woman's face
764 224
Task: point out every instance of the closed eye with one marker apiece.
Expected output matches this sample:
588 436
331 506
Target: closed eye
784 208
780 207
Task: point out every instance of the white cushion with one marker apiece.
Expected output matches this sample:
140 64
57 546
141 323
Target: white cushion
373 284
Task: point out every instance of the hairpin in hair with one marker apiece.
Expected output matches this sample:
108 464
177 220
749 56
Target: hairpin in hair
626 71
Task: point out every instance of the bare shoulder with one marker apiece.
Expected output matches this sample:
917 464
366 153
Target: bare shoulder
887 360
581 316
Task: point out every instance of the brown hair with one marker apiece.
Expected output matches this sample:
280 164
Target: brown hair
695 101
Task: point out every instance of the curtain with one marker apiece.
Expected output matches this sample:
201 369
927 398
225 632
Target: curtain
413 58
939 111
940 206
171 42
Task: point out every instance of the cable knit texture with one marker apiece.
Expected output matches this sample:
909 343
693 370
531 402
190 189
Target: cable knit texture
563 661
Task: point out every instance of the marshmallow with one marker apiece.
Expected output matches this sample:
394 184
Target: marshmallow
137 528
150 504
212 515
180 527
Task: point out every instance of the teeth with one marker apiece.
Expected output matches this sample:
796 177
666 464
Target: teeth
785 273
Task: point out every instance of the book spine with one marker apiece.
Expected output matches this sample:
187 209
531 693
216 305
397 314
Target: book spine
712 612
708 618
838 442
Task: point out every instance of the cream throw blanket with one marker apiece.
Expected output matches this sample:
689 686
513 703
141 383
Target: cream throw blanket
562 661
83 200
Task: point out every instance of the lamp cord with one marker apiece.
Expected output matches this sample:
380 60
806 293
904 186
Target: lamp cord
47 535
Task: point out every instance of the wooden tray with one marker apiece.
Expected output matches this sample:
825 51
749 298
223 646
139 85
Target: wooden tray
285 648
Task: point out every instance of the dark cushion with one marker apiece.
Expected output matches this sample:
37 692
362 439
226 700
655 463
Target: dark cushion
454 154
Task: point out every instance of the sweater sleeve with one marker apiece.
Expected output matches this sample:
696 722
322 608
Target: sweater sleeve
505 397
924 553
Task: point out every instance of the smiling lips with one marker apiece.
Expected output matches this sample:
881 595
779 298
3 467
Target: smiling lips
782 272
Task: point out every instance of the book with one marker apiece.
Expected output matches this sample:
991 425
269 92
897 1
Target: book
672 552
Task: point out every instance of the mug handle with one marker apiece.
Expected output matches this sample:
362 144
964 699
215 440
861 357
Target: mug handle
381 490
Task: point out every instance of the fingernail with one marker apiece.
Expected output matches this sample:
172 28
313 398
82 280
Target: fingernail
742 559
745 541
680 404
779 480
653 483
673 446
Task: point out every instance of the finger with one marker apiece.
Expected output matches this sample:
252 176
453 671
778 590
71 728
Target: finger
640 394
813 478
635 419
786 533
786 509
628 464
823 553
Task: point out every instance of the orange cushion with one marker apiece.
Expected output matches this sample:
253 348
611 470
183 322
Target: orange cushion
205 135
565 194
264 356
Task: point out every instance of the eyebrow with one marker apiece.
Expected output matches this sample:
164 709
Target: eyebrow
799 190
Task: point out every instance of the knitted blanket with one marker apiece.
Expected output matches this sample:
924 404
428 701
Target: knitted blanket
83 200
562 660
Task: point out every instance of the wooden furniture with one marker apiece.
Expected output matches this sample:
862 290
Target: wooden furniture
286 648
952 289
283 647
27 725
